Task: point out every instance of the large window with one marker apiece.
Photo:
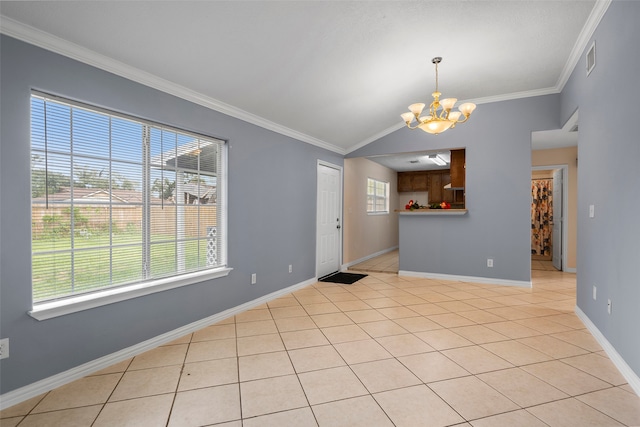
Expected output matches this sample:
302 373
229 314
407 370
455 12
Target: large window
118 201
377 196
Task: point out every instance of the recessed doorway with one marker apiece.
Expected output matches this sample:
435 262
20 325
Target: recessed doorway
548 231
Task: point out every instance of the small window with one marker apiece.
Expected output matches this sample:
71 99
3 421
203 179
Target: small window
116 201
377 196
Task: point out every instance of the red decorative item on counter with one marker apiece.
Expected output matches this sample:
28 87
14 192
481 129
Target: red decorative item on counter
445 205
413 205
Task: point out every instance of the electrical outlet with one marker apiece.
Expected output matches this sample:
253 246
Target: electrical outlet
594 292
592 211
4 348
609 306
489 262
290 268
253 278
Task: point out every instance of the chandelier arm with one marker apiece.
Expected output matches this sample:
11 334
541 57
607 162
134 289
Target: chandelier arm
465 119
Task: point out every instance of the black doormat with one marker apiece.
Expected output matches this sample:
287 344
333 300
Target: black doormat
344 278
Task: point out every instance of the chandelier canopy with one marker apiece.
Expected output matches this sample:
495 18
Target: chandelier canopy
440 117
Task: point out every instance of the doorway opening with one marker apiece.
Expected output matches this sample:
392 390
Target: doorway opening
548 207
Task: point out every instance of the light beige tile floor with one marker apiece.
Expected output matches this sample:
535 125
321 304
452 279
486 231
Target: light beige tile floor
386 263
385 351
537 264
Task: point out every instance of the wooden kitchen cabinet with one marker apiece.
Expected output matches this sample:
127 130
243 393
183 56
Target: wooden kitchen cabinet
437 181
420 181
457 168
413 181
404 182
435 187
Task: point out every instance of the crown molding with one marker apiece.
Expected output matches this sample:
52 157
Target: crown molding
514 95
375 137
477 101
47 41
585 35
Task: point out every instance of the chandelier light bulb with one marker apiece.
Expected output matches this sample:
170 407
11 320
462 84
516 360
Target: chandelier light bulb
447 104
454 116
408 117
416 109
467 108
436 126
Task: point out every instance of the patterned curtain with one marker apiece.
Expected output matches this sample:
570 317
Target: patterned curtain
541 216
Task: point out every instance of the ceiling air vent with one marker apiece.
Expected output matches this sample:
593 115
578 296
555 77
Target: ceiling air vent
591 58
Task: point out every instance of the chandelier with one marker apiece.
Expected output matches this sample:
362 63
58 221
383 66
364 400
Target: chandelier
440 117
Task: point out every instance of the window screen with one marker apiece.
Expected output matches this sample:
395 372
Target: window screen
117 201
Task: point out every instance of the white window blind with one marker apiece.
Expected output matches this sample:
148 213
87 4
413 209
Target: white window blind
119 201
377 196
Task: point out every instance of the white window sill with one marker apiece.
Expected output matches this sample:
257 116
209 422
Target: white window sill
378 213
49 310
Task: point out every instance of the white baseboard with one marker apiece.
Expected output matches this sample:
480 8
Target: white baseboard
487 280
35 389
368 257
626 371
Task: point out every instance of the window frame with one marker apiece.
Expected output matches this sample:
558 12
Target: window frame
377 197
71 303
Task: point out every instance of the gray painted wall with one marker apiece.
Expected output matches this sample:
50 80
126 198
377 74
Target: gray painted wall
272 209
497 139
609 179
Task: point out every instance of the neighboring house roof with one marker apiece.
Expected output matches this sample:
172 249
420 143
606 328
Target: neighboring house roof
99 195
85 195
200 191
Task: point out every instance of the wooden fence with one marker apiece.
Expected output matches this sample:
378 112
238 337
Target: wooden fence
95 219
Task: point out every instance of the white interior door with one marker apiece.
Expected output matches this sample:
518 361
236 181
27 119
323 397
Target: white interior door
329 220
557 219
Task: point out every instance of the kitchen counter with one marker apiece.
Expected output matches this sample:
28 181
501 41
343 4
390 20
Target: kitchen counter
432 212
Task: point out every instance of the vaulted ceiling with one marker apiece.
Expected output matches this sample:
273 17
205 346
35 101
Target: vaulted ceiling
337 74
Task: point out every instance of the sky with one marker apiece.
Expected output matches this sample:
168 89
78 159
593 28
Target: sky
98 140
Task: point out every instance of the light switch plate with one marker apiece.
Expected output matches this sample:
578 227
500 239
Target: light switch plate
4 348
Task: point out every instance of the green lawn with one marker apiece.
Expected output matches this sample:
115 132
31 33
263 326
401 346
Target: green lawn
91 267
